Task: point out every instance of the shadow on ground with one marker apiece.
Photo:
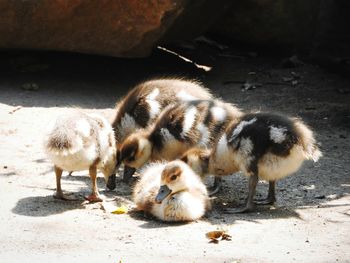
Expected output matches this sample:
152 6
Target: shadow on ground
41 206
77 78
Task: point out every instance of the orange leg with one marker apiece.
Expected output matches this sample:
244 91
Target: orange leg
94 196
59 193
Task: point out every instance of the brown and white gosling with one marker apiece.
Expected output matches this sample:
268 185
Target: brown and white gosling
179 127
261 145
171 192
79 141
144 103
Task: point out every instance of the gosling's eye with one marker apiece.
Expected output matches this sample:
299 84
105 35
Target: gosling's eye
173 177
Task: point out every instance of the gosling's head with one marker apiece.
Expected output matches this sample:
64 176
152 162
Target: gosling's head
197 159
176 176
135 151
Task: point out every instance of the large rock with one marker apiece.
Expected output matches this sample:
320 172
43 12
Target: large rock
122 28
110 27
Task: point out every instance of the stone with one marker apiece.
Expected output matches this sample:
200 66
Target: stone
120 28
124 28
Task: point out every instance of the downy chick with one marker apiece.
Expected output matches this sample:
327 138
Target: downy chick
179 127
261 145
79 141
171 192
144 103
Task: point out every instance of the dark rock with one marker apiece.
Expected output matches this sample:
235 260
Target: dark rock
270 22
117 28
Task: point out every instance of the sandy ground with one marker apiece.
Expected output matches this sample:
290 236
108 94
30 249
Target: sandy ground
309 223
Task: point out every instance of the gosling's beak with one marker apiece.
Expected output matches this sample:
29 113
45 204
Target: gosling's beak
111 182
163 192
128 173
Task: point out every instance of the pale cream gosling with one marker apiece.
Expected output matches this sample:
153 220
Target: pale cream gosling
171 192
78 141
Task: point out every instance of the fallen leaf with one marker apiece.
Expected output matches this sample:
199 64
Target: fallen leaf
120 210
214 241
109 207
226 237
215 235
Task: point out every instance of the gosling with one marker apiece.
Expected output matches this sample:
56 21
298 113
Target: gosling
261 145
144 103
179 127
171 192
79 141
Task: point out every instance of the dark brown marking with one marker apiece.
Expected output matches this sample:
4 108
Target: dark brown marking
97 160
136 106
129 150
110 140
171 173
59 143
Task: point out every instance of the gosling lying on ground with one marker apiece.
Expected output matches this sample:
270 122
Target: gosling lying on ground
171 192
144 103
261 145
179 127
79 141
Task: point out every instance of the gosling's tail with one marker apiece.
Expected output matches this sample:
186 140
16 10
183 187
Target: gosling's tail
308 142
63 139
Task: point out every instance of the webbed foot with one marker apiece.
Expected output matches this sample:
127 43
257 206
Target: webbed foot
92 198
66 197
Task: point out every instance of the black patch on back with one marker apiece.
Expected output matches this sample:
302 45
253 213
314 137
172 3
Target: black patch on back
259 133
172 120
174 124
140 112
135 105
209 117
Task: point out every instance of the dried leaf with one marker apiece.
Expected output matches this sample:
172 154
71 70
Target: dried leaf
226 237
215 235
214 241
111 208
120 210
